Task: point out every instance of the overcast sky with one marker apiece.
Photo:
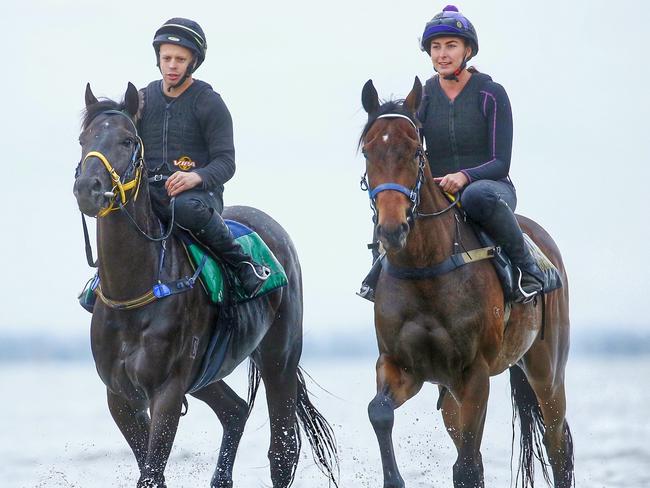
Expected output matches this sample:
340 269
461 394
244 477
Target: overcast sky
291 73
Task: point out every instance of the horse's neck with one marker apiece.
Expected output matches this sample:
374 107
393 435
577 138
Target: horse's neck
432 239
128 262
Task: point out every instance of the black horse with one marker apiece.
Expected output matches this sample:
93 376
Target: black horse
149 351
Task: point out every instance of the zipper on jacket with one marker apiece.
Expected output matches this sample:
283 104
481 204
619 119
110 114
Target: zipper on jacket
452 135
164 138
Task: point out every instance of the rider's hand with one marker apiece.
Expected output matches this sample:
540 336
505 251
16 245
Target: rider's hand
453 182
182 181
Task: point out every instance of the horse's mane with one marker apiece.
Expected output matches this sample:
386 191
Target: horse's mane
101 106
387 107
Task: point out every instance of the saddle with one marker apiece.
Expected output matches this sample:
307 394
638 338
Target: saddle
506 271
214 275
217 280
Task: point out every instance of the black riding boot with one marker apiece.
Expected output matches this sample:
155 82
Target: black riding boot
504 228
369 283
217 237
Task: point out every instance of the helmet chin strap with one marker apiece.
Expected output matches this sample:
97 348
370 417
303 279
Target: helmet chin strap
186 75
454 75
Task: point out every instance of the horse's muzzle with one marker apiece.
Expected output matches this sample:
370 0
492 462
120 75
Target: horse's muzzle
392 238
90 194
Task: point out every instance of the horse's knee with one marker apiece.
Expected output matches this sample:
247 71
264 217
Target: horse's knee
381 412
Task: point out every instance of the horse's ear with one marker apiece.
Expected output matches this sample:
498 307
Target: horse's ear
131 99
369 97
412 102
90 98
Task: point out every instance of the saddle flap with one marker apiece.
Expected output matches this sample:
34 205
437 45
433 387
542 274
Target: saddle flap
212 275
552 278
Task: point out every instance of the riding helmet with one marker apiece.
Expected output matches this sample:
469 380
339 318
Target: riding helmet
185 33
449 22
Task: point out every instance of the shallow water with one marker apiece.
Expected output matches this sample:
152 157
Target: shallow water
55 430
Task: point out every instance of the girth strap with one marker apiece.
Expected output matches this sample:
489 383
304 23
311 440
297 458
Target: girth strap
126 304
451 263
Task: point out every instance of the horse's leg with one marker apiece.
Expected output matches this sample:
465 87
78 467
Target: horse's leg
232 411
394 387
133 423
165 409
469 420
451 416
557 435
281 386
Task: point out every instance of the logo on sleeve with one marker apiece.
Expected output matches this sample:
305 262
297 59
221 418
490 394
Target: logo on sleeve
184 163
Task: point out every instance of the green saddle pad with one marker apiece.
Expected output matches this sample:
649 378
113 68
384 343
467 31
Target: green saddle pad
212 276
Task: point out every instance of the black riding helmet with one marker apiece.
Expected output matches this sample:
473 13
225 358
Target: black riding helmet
185 33
449 22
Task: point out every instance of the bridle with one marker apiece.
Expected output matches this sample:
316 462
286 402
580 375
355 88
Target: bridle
413 194
121 184
458 258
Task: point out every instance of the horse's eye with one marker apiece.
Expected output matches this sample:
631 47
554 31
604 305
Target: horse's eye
127 142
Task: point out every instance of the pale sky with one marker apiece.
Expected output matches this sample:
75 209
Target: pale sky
291 73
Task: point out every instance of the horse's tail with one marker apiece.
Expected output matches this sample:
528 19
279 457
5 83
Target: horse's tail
319 433
532 428
254 378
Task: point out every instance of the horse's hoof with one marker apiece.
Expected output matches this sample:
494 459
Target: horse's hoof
151 483
221 484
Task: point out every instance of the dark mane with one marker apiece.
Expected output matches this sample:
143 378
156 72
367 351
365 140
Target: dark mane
95 109
389 107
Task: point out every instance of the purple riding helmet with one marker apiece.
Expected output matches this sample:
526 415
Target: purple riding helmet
450 22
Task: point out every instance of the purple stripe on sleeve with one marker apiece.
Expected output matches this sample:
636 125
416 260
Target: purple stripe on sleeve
484 164
494 124
469 177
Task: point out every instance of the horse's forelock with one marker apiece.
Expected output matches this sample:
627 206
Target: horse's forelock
100 107
389 107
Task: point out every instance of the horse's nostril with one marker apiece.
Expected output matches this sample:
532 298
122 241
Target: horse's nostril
96 186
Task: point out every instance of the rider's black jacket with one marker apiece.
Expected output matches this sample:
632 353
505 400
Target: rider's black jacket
472 133
192 132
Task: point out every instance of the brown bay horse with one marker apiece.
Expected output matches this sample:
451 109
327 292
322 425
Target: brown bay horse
149 355
453 329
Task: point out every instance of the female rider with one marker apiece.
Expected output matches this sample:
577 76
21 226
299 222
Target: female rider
467 127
